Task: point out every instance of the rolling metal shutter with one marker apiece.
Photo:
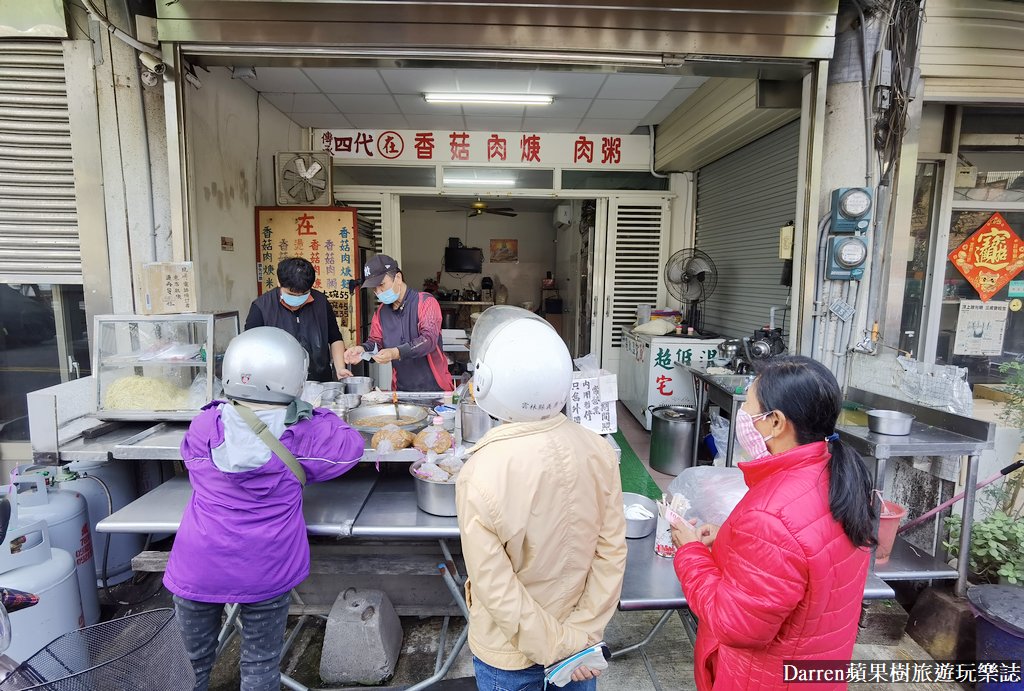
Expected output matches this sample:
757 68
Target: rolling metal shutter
38 220
742 201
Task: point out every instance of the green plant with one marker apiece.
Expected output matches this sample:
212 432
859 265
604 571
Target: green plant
1013 412
997 547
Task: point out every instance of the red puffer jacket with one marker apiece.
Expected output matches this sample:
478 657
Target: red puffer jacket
782 582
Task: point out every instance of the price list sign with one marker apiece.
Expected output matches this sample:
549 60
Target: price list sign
327 237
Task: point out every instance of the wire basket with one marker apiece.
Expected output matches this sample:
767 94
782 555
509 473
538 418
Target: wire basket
140 651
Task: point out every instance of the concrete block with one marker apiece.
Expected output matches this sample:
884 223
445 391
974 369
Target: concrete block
882 622
362 640
943 625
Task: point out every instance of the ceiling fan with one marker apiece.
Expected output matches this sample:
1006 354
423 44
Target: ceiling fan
479 207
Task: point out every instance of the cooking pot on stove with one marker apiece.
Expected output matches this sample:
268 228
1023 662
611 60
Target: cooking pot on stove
730 348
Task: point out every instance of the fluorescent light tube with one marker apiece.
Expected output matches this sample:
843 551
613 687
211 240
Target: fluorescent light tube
483 182
498 99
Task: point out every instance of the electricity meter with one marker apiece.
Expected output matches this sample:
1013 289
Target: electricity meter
851 209
845 258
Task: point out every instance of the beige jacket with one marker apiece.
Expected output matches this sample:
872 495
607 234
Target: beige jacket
544 538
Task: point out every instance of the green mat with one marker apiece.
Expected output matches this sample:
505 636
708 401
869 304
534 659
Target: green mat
635 477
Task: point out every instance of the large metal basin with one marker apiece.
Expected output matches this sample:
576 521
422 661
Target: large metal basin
417 413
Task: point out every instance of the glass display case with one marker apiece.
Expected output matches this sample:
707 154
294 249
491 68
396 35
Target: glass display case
161 366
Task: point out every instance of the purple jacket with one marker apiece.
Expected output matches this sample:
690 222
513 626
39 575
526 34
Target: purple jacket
243 537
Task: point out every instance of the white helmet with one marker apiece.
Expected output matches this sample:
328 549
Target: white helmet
522 371
264 365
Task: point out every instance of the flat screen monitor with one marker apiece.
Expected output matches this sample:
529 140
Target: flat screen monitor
463 260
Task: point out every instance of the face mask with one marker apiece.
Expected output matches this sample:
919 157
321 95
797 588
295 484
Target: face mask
747 435
294 300
388 297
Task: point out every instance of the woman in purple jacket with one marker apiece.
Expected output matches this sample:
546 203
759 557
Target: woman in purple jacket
242 538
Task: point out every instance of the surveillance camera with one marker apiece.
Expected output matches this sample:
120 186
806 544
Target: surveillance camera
153 63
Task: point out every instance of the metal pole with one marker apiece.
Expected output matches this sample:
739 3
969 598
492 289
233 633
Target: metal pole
964 558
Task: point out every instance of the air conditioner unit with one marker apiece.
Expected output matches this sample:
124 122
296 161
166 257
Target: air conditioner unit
563 216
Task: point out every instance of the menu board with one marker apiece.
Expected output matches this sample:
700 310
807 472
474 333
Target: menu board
328 238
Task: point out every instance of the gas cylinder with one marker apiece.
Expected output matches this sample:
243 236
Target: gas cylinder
39 568
67 516
94 480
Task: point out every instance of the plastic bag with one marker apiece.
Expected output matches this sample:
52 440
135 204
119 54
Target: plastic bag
711 492
431 472
656 327
720 432
589 365
197 391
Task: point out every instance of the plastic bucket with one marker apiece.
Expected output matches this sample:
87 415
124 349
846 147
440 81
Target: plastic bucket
1000 628
888 524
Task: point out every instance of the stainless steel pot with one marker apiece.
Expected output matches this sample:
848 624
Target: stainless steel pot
437 498
359 385
475 422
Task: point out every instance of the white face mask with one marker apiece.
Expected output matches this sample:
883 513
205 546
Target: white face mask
747 435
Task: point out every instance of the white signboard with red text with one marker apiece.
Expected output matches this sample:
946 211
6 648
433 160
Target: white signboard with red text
506 149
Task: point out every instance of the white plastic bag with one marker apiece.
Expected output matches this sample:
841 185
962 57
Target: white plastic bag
712 492
655 327
197 391
720 432
589 365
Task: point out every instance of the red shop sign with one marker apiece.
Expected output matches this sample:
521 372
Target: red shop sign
990 257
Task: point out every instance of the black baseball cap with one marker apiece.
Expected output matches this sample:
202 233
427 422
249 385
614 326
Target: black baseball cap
376 268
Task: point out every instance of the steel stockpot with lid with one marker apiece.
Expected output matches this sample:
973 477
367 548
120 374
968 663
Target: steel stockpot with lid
672 430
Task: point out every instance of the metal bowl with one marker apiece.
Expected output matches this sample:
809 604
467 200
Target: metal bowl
640 528
437 498
890 422
359 385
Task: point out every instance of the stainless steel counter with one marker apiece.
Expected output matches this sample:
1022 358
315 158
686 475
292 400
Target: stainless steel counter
651 581
330 508
391 512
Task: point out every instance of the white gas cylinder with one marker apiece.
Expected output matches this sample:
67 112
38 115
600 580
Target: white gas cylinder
45 571
95 480
66 514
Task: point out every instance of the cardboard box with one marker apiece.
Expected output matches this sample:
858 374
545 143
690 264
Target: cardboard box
592 401
168 288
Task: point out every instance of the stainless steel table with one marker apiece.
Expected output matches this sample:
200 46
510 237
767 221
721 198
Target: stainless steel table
651 584
933 433
727 391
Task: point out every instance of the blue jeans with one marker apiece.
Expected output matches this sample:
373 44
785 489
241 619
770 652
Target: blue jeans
530 679
263 626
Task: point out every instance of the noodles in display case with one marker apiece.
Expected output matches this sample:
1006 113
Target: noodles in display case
159 367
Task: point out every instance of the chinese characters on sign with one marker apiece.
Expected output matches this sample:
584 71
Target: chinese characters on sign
991 257
611 151
664 373
588 409
980 328
327 238
169 287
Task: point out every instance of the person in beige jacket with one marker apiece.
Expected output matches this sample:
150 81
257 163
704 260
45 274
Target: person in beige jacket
540 511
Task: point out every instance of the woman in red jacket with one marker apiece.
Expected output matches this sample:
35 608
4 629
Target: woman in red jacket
783 578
